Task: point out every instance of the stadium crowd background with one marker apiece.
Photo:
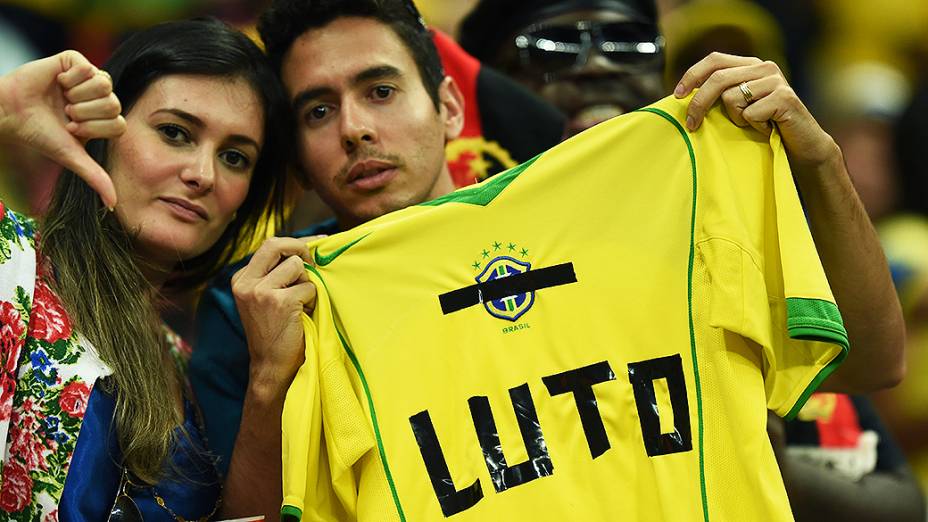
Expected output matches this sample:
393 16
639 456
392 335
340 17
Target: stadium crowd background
861 67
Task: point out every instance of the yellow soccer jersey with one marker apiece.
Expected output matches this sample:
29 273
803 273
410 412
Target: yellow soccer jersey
596 334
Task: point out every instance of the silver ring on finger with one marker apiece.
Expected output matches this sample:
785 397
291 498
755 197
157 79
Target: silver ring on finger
746 92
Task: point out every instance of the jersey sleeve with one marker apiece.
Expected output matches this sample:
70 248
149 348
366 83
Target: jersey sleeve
768 283
324 426
814 341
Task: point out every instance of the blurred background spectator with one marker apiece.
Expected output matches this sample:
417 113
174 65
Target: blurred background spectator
593 60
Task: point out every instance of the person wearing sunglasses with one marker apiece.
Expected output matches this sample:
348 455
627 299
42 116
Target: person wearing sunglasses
593 60
187 124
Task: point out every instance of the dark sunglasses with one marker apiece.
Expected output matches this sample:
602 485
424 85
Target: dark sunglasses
124 508
552 48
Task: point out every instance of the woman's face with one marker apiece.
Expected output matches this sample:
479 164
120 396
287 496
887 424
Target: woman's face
184 164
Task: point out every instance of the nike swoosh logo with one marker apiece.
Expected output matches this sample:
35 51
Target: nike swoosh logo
324 259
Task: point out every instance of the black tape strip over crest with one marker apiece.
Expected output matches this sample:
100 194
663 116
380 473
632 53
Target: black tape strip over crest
523 283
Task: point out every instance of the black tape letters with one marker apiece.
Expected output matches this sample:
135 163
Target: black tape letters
580 382
538 463
451 500
642 376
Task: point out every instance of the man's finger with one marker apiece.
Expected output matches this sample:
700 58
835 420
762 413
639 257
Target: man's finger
304 292
289 272
721 81
270 252
696 75
759 115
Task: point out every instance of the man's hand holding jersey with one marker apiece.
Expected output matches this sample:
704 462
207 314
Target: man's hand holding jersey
271 292
756 93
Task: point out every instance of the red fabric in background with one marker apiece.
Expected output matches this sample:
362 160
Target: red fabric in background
842 429
464 68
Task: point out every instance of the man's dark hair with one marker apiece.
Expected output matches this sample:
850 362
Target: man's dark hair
490 22
286 20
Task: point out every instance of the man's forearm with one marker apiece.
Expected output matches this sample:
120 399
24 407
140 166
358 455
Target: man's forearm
253 484
859 277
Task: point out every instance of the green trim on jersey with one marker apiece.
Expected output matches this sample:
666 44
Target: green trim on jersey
689 302
370 404
817 316
485 192
288 513
325 259
816 320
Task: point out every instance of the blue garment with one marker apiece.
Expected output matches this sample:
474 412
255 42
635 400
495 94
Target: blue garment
94 476
218 369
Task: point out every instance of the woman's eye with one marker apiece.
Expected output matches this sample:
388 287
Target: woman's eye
235 159
174 133
382 92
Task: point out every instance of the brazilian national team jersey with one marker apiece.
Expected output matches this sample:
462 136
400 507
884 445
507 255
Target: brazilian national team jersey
596 334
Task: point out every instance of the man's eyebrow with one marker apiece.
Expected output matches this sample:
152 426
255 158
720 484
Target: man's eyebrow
307 95
239 139
376 73
372 73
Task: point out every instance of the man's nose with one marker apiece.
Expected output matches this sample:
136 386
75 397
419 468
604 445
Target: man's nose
357 127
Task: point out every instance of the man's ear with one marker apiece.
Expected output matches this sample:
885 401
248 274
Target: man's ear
452 107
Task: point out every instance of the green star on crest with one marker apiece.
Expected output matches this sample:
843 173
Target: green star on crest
524 252
485 253
497 245
512 247
476 265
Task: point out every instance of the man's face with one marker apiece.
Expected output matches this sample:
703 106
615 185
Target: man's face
605 75
370 138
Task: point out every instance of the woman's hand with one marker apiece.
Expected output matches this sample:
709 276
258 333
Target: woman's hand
55 105
271 292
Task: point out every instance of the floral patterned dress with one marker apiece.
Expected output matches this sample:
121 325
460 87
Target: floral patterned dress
47 374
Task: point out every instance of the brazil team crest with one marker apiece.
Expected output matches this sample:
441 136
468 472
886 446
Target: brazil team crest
501 260
506 284
510 307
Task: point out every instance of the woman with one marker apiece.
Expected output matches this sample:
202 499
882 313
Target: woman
83 350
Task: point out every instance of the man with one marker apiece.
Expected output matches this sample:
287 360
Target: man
374 110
